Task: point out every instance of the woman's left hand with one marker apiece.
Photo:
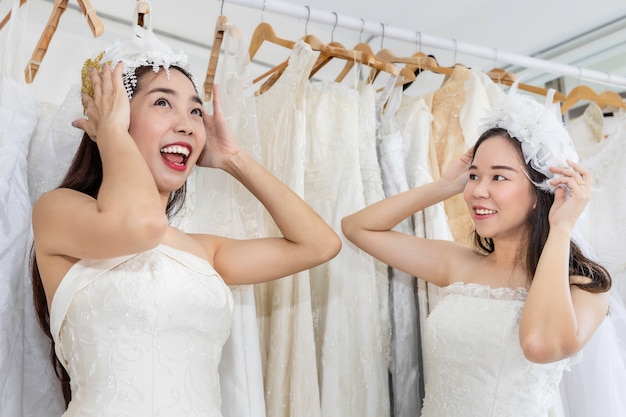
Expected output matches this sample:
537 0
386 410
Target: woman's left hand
569 204
221 143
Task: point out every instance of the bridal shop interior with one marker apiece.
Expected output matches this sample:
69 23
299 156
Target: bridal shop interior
481 35
343 339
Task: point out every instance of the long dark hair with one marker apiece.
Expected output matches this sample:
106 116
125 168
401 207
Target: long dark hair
537 228
85 175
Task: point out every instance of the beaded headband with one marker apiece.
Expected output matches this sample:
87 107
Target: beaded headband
143 50
540 130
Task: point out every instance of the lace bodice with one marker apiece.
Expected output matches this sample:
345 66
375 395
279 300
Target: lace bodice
142 335
476 366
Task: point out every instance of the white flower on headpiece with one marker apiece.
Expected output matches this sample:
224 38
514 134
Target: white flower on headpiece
144 50
538 127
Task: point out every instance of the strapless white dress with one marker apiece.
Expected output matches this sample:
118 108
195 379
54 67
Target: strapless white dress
142 335
476 366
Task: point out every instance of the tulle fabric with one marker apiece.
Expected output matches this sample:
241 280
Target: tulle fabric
596 386
27 383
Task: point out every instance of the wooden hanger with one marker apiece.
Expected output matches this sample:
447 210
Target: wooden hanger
420 60
8 16
142 11
314 42
373 61
500 76
413 62
95 24
264 32
331 51
337 50
582 92
221 26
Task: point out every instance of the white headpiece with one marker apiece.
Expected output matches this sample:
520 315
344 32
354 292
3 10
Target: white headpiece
143 50
538 127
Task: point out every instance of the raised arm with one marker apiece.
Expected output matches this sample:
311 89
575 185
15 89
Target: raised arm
559 318
306 241
371 228
127 216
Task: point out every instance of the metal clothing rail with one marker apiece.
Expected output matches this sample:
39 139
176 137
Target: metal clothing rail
379 29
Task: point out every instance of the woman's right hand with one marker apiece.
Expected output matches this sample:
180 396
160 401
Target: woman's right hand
109 107
457 173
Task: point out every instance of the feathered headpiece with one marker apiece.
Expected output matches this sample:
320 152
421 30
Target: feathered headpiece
143 50
538 127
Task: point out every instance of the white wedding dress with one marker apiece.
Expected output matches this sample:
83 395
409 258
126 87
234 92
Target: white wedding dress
475 364
351 364
284 306
28 386
373 191
406 366
142 335
597 385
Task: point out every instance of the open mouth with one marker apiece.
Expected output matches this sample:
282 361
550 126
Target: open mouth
176 156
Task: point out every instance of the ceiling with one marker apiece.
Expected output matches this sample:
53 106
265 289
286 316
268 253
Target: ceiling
587 34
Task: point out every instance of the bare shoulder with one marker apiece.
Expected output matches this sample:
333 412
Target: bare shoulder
58 193
465 261
200 244
52 201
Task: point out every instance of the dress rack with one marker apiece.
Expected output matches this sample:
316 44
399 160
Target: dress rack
380 29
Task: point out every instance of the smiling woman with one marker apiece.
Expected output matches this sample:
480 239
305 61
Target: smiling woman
522 303
137 310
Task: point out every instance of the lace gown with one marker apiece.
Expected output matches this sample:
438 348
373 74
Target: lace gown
284 306
373 191
476 366
414 121
142 335
405 371
352 368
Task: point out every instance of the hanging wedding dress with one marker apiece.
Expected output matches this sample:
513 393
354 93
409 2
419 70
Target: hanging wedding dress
284 306
414 121
54 143
406 369
600 143
595 386
28 386
373 192
218 204
457 107
351 364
